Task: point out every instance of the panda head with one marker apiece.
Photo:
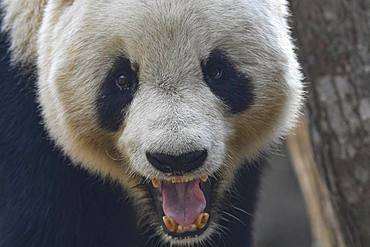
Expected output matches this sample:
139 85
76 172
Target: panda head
168 97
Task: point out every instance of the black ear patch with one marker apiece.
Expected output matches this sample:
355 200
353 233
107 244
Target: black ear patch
117 92
227 83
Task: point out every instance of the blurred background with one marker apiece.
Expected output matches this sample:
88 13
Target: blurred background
281 218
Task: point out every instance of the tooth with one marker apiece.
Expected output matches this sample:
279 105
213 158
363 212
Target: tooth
156 183
193 227
180 229
204 178
170 223
202 220
174 180
187 228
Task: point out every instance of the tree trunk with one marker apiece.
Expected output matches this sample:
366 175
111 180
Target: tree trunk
334 44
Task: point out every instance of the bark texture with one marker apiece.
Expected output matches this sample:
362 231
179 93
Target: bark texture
324 223
334 41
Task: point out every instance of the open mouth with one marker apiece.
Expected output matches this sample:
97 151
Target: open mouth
183 205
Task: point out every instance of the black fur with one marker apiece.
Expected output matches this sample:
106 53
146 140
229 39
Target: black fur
44 201
47 202
177 164
115 97
226 82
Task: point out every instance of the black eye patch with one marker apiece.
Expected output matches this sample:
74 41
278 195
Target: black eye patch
116 93
227 83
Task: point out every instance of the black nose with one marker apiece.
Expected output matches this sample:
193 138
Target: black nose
177 164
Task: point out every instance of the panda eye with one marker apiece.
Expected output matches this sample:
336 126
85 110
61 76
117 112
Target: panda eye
122 82
213 70
226 82
116 93
215 74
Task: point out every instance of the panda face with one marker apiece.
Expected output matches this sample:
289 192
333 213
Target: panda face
178 93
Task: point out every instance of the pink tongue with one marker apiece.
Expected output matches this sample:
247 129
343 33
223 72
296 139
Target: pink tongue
183 201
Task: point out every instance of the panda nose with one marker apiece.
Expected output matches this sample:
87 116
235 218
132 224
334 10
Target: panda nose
177 164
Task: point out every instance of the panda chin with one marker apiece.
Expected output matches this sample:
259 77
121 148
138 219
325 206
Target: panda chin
183 205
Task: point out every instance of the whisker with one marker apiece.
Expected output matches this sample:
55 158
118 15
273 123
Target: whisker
242 210
222 230
234 217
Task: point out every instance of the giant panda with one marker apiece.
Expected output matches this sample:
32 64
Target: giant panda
140 122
